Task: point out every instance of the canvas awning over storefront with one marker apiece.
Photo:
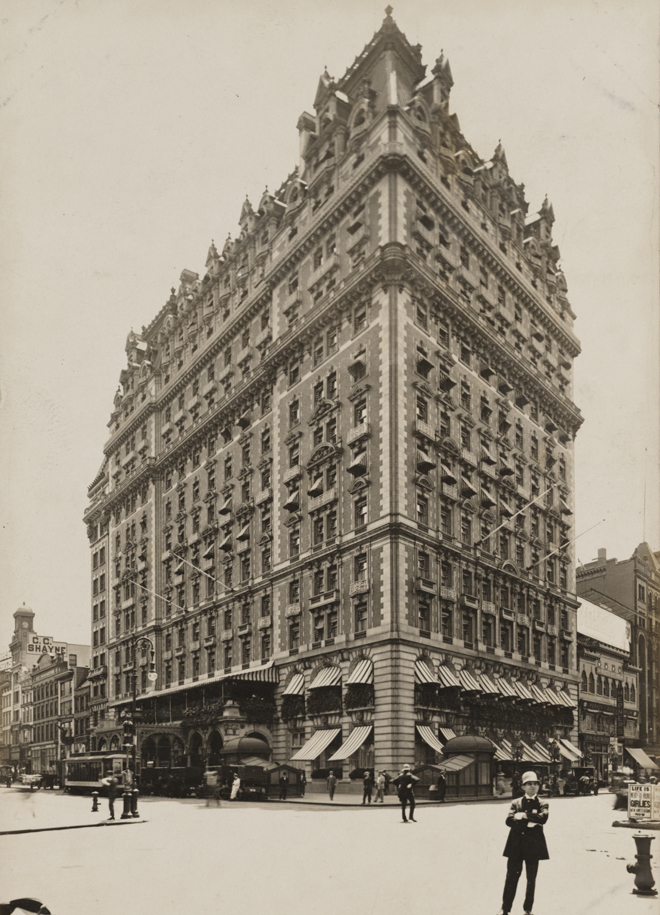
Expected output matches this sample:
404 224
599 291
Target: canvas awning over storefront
506 689
316 745
522 692
446 734
641 758
539 694
352 743
488 686
501 755
543 753
530 755
468 682
429 737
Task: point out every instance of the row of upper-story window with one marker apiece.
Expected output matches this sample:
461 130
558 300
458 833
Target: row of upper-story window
528 262
604 686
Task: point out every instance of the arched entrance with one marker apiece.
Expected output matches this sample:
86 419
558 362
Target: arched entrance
163 755
148 753
114 743
103 745
196 750
215 745
178 753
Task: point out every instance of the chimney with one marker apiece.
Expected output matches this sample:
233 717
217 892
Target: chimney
602 555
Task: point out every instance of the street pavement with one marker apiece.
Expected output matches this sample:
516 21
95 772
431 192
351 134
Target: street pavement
303 859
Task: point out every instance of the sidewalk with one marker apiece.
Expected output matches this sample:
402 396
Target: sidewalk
21 812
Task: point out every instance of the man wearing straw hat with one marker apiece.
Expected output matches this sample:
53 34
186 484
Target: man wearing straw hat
526 842
405 783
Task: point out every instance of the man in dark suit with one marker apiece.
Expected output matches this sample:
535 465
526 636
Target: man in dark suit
405 783
367 787
526 842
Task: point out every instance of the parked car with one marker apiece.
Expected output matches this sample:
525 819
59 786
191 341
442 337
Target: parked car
581 780
31 781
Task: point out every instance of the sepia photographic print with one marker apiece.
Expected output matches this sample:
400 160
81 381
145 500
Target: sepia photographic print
329 449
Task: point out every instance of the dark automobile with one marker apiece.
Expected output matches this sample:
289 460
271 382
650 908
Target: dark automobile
581 780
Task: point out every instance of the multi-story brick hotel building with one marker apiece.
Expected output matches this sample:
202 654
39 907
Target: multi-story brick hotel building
310 498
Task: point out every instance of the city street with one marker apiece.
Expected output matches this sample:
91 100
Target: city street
247 858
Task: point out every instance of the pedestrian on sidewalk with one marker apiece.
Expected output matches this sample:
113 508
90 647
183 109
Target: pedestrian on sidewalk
442 786
405 783
284 785
212 787
388 779
302 784
380 788
526 842
235 787
332 784
112 784
367 787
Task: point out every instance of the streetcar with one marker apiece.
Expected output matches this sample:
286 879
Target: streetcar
85 773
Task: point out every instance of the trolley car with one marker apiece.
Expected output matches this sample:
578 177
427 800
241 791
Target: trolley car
85 773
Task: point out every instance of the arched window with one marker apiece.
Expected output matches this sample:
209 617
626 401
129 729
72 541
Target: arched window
632 692
606 687
584 681
599 685
626 692
592 683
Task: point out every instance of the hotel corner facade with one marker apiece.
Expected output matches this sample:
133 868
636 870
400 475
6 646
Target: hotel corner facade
315 496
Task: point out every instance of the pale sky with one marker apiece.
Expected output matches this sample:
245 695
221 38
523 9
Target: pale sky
130 133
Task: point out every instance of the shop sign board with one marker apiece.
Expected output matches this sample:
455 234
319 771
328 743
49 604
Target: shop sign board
620 714
643 802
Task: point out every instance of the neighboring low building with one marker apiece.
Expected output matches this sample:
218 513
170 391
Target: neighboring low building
609 688
631 589
54 681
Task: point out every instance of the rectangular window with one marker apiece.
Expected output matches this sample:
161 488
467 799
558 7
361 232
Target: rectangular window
294 413
360 511
294 634
422 509
294 543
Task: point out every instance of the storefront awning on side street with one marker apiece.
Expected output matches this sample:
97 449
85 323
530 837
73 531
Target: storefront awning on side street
530 755
446 733
505 688
641 758
501 755
488 686
352 743
327 676
468 682
447 676
429 737
543 753
424 672
316 745
522 692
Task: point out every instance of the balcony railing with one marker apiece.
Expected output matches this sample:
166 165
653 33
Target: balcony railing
426 585
292 610
488 606
292 473
323 499
357 433
359 587
265 622
423 428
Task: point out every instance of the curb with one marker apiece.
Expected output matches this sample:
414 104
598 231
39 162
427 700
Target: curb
626 824
18 832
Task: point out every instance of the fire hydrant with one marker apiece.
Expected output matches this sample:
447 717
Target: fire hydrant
95 801
644 881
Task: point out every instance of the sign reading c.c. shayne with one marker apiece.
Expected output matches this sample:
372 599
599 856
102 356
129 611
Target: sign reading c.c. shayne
45 645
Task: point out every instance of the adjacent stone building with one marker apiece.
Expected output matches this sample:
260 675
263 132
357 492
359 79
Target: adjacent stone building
609 688
631 589
336 496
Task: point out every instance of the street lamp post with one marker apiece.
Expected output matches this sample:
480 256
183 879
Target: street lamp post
130 729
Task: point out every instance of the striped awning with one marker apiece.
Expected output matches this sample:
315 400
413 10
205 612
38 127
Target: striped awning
552 696
316 745
567 699
316 488
255 761
543 753
530 755
327 676
363 672
571 748
539 695
448 475
446 733
424 672
352 743
429 737
468 682
447 676
564 752
521 691
244 533
506 746
506 689
488 686
264 674
295 686
456 763
209 551
501 755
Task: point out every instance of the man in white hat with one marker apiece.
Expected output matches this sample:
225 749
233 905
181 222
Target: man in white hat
405 783
526 842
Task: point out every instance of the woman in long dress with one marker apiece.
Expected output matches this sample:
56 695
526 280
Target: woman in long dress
235 787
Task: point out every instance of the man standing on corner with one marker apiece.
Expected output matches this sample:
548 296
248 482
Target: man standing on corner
405 783
526 842
367 787
332 784
112 784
